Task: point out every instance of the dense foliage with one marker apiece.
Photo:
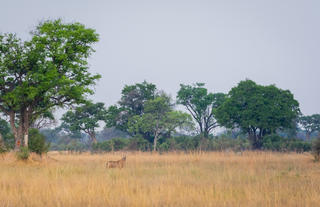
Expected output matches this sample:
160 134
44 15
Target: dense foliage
51 70
37 142
84 118
310 124
201 105
258 110
48 71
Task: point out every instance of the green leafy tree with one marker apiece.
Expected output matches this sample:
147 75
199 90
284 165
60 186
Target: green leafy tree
46 72
85 118
201 105
159 119
258 110
133 99
310 124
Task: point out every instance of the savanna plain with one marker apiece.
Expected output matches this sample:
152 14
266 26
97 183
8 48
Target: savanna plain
170 179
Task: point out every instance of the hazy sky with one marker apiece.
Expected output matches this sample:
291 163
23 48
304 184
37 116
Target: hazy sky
168 42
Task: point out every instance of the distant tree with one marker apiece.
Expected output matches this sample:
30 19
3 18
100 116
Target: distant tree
133 98
258 110
201 105
159 119
85 118
46 72
310 124
109 133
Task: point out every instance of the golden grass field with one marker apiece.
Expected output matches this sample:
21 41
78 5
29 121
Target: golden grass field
173 179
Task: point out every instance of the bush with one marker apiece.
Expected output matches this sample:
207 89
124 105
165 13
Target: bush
102 146
225 143
299 145
37 142
316 149
139 143
3 149
164 147
276 143
23 153
185 143
119 143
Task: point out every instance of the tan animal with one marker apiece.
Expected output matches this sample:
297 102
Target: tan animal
119 163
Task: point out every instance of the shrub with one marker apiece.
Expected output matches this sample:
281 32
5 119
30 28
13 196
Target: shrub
3 149
164 147
139 143
225 143
276 143
316 149
186 143
23 153
102 146
37 142
119 143
299 145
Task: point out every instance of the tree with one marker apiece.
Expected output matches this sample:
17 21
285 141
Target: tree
201 105
258 110
159 119
133 98
310 124
46 72
85 118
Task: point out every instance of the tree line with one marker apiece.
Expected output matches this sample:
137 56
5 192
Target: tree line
51 71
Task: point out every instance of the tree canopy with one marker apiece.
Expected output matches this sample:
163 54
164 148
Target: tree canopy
201 105
310 124
85 118
133 99
258 110
159 119
48 71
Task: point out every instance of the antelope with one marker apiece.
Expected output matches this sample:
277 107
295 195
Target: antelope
119 163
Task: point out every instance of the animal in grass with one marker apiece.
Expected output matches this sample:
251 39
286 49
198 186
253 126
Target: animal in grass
117 164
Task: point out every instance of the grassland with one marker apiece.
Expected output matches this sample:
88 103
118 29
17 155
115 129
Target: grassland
174 179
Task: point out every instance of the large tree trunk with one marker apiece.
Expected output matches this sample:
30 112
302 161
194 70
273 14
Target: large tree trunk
155 143
20 132
156 135
253 137
93 137
15 131
308 136
26 128
205 133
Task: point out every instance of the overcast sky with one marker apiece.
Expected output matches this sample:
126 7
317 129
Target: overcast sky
168 42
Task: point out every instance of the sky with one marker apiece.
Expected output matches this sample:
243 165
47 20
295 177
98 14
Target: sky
169 42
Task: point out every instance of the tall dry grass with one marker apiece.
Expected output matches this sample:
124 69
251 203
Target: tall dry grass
174 179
